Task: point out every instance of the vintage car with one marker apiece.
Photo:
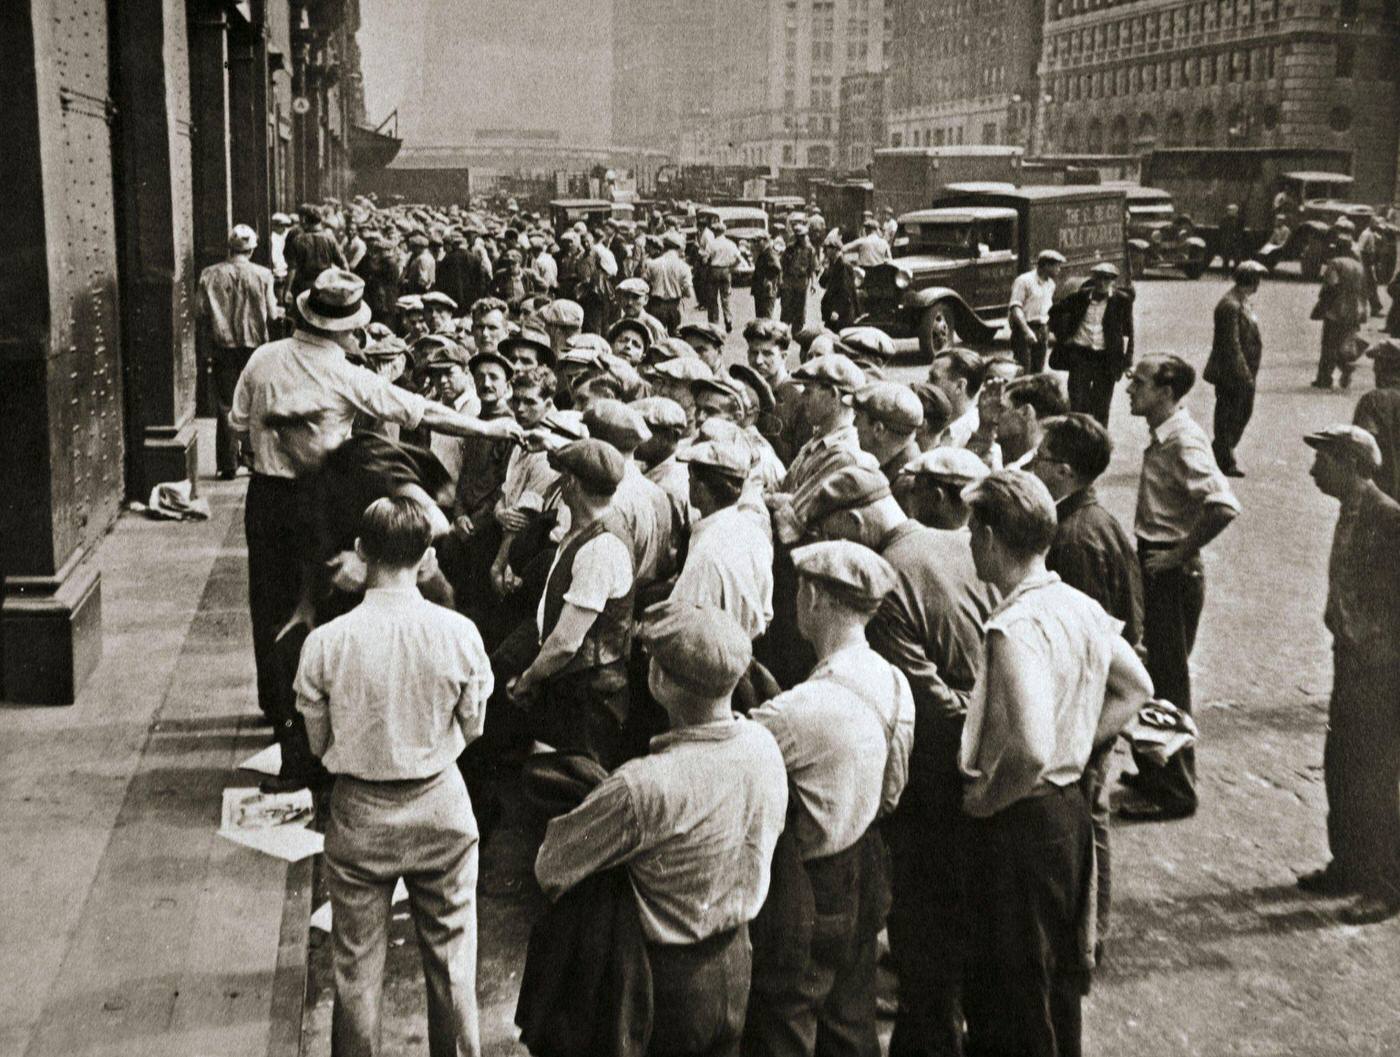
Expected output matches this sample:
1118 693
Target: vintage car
566 212
1318 203
742 224
950 279
1159 236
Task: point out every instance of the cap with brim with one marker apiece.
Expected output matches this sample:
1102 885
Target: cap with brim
409 303
636 326
674 240
722 384
1351 440
528 339
683 369
1385 352
848 488
850 570
562 313
834 370
707 332
481 359
634 286
617 423
1105 268
386 349
1050 257
891 403
743 373
669 349
566 424
335 302
437 299
437 352
660 412
700 647
596 464
866 343
723 456
952 465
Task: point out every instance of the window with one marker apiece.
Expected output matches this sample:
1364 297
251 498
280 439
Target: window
989 132
788 155
1346 58
938 137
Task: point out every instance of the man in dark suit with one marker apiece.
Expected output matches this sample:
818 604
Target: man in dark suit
1093 328
839 303
1233 365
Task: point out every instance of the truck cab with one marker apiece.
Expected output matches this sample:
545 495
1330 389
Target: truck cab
1159 236
1317 201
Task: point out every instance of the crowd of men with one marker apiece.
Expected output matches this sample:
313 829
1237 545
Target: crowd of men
814 653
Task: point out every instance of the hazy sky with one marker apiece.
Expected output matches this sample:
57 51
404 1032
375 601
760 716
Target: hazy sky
453 66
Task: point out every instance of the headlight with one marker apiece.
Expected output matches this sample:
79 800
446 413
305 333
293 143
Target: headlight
1156 236
901 279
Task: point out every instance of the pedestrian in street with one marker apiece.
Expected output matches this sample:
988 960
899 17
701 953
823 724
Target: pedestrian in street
1236 350
1093 554
799 268
767 277
1361 762
575 690
309 371
845 734
670 281
1342 305
1032 294
1378 412
722 257
441 311
1184 502
694 822
887 415
1093 328
1231 237
236 306
960 374
391 693
1058 681
1368 253
930 628
841 301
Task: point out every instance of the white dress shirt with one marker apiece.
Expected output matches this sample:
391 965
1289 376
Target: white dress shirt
730 565
1034 295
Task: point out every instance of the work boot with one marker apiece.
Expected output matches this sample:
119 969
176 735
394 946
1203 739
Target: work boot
1328 881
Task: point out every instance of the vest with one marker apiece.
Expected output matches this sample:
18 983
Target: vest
609 640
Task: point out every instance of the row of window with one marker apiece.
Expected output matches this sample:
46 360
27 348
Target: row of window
940 137
1176 24
969 83
1225 67
1225 12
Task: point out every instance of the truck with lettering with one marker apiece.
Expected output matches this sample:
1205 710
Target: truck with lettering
950 280
909 178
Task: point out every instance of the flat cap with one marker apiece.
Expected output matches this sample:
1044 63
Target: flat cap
438 350
636 326
850 487
833 369
683 369
701 647
566 424
850 570
1385 352
720 383
891 403
409 303
596 464
438 299
1343 226
660 412
866 342
1105 268
674 240
639 287
385 348
720 429
723 456
528 338
747 376
670 349
562 313
1351 440
833 239
709 332
481 359
954 465
615 422
807 337
1050 256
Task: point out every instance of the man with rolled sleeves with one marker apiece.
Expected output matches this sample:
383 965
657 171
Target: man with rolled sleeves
309 372
1361 762
576 687
888 414
845 735
1032 294
670 281
695 822
729 562
1184 502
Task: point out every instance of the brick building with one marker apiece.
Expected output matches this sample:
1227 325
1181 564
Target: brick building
139 131
861 125
1283 73
777 66
962 72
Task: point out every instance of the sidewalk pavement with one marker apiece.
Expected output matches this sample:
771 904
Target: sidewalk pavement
130 927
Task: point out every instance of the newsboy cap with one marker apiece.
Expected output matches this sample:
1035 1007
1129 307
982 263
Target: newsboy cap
852 571
707 332
634 286
660 412
852 486
700 647
562 313
834 370
615 422
891 403
596 464
725 457
682 369
746 375
438 299
867 343
954 465
1352 441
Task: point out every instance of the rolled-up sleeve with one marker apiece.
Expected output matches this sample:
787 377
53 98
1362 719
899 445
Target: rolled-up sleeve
477 684
1202 479
601 832
368 392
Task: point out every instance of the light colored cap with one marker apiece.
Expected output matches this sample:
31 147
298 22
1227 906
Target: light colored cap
660 412
596 464
683 369
1354 441
242 239
1105 268
850 570
892 403
409 303
700 647
563 313
1052 256
870 342
640 287
617 423
726 457
438 299
954 465
832 369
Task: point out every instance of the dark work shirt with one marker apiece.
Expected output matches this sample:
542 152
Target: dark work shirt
483 470
309 254
1378 412
1363 577
1092 553
365 468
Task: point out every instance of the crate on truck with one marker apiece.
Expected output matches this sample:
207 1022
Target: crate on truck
909 178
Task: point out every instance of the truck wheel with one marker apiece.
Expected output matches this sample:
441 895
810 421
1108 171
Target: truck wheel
937 329
1193 269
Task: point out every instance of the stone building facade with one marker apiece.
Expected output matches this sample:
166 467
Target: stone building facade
662 90
861 126
1125 76
962 72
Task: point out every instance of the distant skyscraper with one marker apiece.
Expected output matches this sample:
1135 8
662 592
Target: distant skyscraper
663 80
528 66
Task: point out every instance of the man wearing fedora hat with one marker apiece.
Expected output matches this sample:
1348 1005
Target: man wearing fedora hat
236 306
309 370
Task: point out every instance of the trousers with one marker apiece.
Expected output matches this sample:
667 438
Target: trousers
668 311
927 837
224 368
699 991
793 307
1171 612
1335 355
1091 384
1028 868
277 524
1361 770
1234 406
1031 354
717 308
424 832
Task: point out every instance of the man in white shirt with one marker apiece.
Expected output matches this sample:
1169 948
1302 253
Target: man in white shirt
871 248
392 692
722 257
1058 681
1032 294
845 736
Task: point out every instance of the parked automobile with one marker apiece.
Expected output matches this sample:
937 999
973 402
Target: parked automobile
1319 202
565 212
1159 236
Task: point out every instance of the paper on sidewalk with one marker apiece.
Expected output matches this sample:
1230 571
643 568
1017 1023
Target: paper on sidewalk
268 761
322 917
272 823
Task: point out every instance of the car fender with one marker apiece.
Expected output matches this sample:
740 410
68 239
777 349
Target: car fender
1196 242
970 326
1141 245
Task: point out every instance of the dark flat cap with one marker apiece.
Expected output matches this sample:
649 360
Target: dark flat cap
849 488
708 332
893 404
483 358
742 372
725 457
596 464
